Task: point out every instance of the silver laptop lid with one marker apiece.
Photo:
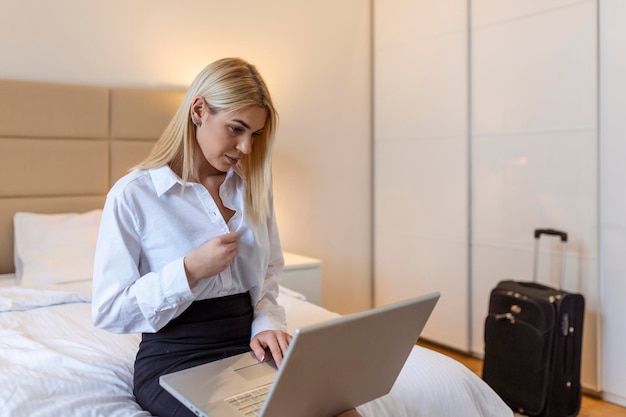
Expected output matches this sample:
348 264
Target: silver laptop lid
337 365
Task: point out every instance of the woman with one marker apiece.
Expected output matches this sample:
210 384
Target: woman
188 252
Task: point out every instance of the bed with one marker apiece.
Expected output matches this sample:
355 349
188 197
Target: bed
56 166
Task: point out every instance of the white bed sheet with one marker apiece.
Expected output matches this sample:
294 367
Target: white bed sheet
53 363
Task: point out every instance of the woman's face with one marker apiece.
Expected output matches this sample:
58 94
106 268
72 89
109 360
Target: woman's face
225 137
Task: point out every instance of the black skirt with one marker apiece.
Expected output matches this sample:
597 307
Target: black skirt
207 331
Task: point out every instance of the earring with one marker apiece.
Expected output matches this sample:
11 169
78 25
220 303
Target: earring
196 121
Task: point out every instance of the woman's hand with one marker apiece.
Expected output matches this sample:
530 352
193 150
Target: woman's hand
211 257
276 341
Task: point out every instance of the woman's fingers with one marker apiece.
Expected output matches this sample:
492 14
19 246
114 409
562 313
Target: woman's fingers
276 341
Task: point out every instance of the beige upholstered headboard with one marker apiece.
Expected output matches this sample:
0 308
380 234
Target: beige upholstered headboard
62 146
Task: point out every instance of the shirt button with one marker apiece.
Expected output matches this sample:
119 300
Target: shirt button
181 299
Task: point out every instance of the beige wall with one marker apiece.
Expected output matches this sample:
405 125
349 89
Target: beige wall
315 56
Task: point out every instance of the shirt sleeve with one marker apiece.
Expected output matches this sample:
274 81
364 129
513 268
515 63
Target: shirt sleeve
124 301
268 314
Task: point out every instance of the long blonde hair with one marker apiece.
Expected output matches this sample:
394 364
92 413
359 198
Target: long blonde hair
229 84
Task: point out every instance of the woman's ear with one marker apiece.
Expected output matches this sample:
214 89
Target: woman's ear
198 106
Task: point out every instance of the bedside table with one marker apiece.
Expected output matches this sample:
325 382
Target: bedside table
304 275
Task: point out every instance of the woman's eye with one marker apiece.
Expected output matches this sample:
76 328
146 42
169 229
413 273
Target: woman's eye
236 129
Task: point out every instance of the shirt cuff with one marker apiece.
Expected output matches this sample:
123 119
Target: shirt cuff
274 320
174 283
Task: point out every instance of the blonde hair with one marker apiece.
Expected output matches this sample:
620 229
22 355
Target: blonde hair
229 84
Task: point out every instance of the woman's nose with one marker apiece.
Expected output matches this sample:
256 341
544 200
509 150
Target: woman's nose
245 144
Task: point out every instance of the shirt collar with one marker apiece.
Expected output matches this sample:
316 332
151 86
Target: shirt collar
164 178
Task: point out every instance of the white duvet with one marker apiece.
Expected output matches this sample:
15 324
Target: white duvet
54 363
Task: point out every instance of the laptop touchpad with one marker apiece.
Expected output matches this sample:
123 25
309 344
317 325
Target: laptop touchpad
250 368
256 371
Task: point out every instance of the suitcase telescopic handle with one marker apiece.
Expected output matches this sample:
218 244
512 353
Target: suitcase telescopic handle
552 232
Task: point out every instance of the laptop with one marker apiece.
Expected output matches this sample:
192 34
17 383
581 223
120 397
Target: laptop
329 367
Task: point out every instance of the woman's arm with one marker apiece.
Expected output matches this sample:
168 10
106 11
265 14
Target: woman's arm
124 300
268 328
268 314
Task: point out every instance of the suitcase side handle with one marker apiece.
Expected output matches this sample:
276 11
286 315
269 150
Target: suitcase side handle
553 232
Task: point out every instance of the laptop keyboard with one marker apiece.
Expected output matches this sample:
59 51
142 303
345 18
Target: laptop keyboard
250 403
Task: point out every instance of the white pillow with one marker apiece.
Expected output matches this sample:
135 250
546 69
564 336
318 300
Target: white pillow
55 248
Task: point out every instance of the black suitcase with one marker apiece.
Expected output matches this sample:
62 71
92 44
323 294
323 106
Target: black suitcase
533 344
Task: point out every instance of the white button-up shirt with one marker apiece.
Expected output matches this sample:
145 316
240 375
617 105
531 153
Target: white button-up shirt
150 222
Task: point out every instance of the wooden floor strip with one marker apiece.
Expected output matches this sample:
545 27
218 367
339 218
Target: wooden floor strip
591 406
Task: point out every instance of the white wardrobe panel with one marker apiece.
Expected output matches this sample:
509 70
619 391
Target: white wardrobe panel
485 12
420 160
413 264
404 21
613 197
536 73
421 188
421 89
543 180
534 154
